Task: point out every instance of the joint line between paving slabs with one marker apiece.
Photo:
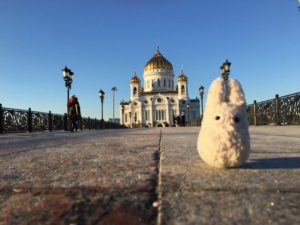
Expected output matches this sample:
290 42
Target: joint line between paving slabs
159 183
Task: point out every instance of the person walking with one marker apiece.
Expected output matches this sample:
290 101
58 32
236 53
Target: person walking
183 119
74 112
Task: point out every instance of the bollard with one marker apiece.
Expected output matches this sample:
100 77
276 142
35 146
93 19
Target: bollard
29 120
50 121
1 119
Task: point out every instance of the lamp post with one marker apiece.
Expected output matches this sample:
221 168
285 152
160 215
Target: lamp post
225 69
101 95
201 92
67 74
188 113
114 89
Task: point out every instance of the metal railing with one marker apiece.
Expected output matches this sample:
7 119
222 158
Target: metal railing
284 110
278 111
18 120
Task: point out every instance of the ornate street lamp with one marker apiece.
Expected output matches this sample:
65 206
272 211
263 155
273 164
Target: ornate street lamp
68 74
114 89
225 70
201 92
101 95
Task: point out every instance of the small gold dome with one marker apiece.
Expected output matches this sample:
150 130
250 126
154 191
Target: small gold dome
135 79
158 61
182 77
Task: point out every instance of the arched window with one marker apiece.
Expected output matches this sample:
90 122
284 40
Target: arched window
182 89
134 91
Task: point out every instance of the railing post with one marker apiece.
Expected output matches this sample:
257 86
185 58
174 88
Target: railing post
1 119
29 120
50 121
65 122
277 109
254 113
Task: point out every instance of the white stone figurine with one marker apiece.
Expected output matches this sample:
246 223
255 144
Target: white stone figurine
224 140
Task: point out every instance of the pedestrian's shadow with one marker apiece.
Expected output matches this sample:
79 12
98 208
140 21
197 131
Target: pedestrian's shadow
273 163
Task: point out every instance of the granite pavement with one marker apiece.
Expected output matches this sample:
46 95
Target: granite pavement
265 190
146 176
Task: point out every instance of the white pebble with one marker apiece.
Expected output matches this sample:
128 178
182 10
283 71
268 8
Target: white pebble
155 204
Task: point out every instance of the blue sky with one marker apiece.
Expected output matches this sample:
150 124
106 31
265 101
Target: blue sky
105 41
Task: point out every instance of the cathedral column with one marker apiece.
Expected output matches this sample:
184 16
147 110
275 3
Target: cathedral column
168 114
140 115
152 116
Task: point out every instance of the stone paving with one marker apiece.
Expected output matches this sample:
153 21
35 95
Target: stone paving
146 176
266 190
97 177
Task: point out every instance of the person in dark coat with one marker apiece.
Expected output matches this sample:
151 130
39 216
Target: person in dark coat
178 121
74 112
183 119
174 120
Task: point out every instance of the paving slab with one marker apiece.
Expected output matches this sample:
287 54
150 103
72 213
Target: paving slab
96 177
265 190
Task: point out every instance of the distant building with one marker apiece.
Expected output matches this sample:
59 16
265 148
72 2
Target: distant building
159 102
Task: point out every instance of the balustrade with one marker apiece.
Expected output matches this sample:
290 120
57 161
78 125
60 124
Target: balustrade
278 111
18 120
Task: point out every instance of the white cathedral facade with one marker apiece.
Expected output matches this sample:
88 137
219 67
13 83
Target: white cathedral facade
160 100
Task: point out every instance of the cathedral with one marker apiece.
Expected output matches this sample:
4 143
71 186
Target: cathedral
159 102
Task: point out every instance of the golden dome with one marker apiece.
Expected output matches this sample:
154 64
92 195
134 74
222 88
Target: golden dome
135 79
158 61
182 77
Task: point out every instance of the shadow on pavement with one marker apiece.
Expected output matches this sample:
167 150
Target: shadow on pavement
274 163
